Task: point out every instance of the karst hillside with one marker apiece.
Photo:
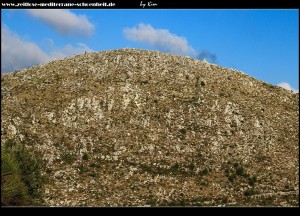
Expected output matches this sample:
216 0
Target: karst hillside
134 127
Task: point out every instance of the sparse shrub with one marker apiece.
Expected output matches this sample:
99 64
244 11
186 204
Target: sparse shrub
205 171
252 180
151 201
9 144
231 177
94 165
267 201
68 158
288 187
182 202
49 171
92 174
239 170
226 172
85 156
175 167
191 166
146 168
204 183
182 131
250 192
221 94
224 200
80 169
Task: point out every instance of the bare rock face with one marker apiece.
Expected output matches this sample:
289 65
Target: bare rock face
142 128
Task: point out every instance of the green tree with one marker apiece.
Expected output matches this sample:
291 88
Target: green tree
13 190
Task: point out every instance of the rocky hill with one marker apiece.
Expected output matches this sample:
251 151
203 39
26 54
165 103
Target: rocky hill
143 128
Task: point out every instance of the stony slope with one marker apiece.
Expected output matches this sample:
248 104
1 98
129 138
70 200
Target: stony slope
135 127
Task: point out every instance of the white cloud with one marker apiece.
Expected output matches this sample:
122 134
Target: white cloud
18 53
68 50
64 21
287 86
159 38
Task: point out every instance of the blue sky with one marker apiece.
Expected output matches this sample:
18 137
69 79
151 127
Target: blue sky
262 43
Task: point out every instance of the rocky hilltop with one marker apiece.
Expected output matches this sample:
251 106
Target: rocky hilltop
143 128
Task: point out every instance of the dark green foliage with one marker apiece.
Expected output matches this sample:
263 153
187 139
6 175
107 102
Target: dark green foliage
85 156
95 165
180 202
21 178
267 201
182 131
92 174
191 166
239 170
232 172
226 172
68 158
250 192
9 144
146 168
205 171
252 180
288 187
151 201
174 169
48 171
30 168
13 190
224 200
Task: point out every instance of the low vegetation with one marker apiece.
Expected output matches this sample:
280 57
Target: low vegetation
21 178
